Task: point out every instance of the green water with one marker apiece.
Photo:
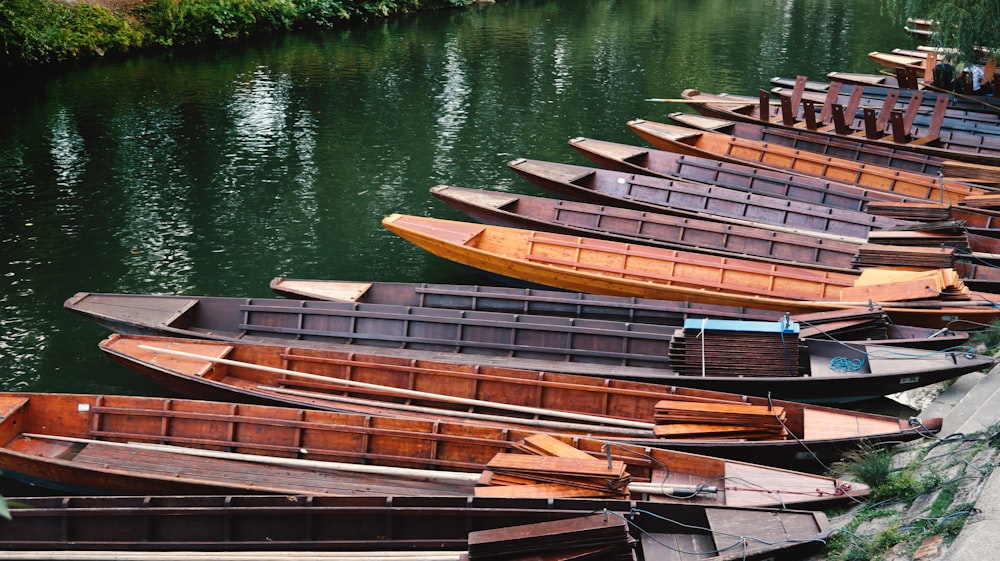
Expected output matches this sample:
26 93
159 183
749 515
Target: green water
210 171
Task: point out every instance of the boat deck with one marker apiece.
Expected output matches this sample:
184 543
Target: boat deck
222 473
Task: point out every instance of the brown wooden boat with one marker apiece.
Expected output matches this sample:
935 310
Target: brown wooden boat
842 148
607 267
870 326
724 147
967 117
934 139
698 200
545 343
134 445
788 433
719 238
711 171
186 527
979 225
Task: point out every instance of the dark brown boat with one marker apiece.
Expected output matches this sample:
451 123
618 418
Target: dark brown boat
698 200
933 139
591 347
980 225
740 427
873 326
131 445
834 146
712 171
159 527
654 229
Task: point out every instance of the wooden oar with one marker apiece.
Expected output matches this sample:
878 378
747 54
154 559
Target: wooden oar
712 101
409 393
415 410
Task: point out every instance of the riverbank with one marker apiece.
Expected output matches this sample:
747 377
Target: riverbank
40 33
937 499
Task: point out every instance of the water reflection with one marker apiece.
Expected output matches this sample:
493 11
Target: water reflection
211 171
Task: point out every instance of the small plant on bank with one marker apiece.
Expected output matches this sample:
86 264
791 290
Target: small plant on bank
871 464
989 337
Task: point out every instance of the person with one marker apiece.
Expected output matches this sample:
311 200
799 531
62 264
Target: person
978 77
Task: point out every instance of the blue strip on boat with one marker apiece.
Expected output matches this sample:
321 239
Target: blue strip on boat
781 326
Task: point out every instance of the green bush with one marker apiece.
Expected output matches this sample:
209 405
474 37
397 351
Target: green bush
36 32
44 31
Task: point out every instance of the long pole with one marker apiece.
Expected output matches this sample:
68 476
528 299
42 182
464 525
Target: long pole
410 393
426 475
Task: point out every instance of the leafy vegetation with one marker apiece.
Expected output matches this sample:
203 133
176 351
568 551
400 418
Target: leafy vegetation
36 32
972 27
893 522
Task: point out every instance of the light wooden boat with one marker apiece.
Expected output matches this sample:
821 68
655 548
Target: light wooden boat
724 147
245 527
600 266
716 238
131 445
807 436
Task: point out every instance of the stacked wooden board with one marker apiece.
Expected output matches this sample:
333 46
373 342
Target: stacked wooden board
685 419
722 348
552 468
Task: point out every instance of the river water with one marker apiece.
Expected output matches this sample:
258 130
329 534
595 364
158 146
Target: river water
209 171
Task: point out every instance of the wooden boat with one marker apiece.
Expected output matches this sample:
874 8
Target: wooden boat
160 527
741 427
769 205
710 237
871 326
969 113
698 200
131 445
742 177
934 139
259 320
979 225
707 144
601 266
879 84
532 301
842 148
653 229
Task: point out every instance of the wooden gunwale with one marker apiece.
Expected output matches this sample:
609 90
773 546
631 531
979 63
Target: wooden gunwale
776 157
